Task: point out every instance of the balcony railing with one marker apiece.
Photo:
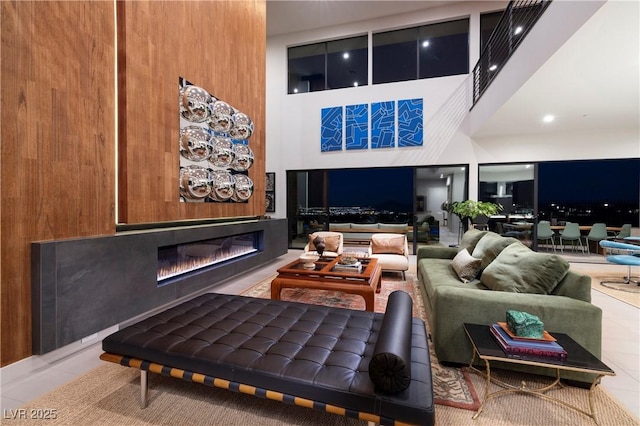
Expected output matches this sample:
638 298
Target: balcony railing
516 22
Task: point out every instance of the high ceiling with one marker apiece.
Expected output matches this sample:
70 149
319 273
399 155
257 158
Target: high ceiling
289 16
591 83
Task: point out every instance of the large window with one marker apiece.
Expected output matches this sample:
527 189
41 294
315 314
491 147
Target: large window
435 50
328 65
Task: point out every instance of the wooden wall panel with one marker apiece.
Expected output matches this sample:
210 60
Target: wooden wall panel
58 141
220 46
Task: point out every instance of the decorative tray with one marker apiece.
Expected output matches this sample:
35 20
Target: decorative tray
546 337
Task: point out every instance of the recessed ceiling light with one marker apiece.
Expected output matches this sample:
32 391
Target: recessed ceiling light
295 90
345 55
548 118
355 84
493 67
425 43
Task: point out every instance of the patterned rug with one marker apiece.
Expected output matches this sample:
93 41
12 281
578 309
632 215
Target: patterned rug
451 386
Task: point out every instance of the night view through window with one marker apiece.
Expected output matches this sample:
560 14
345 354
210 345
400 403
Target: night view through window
590 191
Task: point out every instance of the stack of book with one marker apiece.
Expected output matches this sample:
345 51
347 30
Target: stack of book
513 345
351 267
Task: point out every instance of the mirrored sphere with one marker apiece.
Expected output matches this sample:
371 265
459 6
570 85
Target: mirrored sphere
242 126
195 143
223 153
244 188
195 182
223 186
221 117
194 104
244 158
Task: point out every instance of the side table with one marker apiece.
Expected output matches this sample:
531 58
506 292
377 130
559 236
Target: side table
578 359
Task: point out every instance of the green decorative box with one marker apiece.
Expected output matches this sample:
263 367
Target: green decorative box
524 324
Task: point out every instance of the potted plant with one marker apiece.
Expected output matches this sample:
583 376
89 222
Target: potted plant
468 210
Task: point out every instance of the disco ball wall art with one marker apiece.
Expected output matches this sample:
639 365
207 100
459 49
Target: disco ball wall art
214 148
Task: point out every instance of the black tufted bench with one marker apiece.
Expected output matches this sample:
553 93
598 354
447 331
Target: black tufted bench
314 356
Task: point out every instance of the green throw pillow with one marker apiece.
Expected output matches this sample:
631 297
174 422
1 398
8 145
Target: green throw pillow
520 270
470 239
490 246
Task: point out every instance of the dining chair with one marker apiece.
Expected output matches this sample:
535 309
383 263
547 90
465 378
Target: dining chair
571 232
545 233
625 231
597 233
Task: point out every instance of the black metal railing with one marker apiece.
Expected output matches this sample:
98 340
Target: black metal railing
514 24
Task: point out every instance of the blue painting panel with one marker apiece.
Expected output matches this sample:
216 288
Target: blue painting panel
383 125
331 129
357 126
410 122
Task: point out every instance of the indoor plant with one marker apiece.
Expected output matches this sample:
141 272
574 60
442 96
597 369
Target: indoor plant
468 210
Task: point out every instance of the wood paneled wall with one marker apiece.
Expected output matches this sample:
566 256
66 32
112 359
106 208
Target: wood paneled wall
58 157
218 45
58 152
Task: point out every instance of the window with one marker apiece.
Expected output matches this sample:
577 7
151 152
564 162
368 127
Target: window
434 50
394 56
347 63
444 49
328 65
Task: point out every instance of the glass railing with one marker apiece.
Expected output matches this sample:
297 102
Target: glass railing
516 22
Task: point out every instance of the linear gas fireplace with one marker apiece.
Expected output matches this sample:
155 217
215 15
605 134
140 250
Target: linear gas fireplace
180 259
82 286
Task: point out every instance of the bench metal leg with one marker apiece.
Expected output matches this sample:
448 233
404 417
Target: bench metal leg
144 381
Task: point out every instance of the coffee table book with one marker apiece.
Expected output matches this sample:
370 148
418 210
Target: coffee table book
526 347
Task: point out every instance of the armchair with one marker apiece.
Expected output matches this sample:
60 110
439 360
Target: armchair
631 257
392 252
334 243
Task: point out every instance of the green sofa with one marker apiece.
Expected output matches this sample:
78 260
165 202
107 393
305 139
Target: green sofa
450 302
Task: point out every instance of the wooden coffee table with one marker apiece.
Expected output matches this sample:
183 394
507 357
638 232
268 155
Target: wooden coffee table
364 283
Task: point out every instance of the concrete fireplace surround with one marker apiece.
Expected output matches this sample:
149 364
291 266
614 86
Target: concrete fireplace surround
82 286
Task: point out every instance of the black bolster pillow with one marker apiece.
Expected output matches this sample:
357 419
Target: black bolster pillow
390 365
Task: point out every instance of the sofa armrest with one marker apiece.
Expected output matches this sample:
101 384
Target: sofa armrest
437 252
454 306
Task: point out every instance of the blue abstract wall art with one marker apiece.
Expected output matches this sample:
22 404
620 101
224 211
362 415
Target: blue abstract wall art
383 124
357 126
331 133
355 118
410 122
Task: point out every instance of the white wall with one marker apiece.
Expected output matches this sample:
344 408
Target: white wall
293 121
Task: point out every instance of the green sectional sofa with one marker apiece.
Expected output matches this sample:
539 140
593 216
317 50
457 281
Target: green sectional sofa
508 275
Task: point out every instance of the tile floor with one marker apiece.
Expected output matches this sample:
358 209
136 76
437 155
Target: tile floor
28 379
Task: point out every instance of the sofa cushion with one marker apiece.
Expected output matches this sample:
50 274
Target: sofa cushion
331 242
518 269
470 239
388 244
364 226
490 246
465 266
393 227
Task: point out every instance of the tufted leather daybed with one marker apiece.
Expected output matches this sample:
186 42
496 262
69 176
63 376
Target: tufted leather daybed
360 364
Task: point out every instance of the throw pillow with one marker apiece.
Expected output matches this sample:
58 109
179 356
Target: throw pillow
470 239
490 246
465 266
387 244
520 270
331 242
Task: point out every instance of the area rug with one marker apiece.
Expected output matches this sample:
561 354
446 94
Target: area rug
109 395
628 293
451 386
